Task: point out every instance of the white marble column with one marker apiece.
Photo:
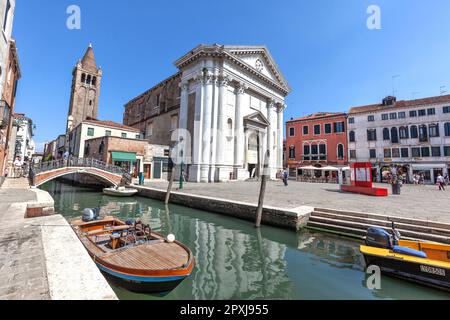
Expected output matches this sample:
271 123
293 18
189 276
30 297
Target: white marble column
280 113
183 123
222 129
206 128
194 171
270 142
214 131
239 127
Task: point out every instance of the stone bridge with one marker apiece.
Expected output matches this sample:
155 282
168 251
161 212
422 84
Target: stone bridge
47 171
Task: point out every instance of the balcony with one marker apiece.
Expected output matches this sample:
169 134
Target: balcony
5 114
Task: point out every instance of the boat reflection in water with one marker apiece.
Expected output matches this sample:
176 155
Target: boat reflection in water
236 261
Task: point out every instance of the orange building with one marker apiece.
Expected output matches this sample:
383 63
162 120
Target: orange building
317 140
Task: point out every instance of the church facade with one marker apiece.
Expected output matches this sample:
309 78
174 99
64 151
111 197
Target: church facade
222 112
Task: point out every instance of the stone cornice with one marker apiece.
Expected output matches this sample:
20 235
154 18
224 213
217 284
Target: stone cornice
220 52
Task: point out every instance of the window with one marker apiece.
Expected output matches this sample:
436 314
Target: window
90 132
434 130
425 152
404 133
431 111
447 129
306 149
101 148
402 115
373 153
124 135
395 153
371 118
5 20
317 129
414 132
158 100
422 113
292 152
352 137
291 132
446 109
138 136
394 135
436 151
413 114
314 149
339 127
174 122
328 128
384 117
305 130
149 132
323 152
386 134
393 116
387 153
83 78
94 81
415 152
352 154
351 120
108 133
341 152
447 151
405 152
372 135
88 80
230 128
423 134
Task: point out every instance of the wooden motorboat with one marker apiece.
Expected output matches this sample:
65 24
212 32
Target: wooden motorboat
426 263
133 256
120 192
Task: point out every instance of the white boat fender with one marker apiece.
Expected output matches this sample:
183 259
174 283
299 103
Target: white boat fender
171 238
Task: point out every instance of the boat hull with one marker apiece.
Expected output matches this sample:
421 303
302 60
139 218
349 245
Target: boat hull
432 276
115 193
138 284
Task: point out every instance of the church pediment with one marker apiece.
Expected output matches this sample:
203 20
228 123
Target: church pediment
257 119
260 60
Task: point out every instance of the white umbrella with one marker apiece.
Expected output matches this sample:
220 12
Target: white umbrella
309 168
346 169
329 168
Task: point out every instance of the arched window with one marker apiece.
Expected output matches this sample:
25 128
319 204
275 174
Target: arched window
292 152
83 78
386 134
352 136
404 133
341 152
323 151
414 132
87 150
447 129
423 133
434 130
88 80
101 147
394 135
94 81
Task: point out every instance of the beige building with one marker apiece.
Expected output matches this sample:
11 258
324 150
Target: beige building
93 128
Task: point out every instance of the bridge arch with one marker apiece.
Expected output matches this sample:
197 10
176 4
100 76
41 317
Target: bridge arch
108 178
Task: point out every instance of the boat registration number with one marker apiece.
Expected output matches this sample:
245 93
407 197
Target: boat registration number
432 270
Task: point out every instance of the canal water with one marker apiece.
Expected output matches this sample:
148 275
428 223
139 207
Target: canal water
236 261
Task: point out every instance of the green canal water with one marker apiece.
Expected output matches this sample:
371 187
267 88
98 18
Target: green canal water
236 261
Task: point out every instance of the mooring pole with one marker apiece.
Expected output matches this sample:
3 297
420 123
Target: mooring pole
262 191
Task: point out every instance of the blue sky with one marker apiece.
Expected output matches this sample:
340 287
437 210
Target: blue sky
323 47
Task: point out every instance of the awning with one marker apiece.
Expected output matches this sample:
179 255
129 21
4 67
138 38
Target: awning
309 168
329 168
123 156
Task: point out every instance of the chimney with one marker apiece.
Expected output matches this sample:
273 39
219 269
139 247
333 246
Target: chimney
389 101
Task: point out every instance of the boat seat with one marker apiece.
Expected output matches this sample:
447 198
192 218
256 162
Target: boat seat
110 229
409 252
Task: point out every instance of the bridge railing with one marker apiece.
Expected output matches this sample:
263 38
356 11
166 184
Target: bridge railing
74 162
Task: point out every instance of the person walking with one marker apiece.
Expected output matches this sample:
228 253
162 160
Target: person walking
441 182
18 167
285 178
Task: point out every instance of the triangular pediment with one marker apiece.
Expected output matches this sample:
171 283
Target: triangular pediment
259 59
257 118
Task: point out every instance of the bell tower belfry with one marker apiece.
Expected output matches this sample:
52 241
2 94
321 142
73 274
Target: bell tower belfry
85 90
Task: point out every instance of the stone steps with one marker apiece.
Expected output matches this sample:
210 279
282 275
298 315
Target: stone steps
20 183
356 224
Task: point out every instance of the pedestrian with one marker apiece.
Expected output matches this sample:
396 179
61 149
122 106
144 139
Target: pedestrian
441 182
17 167
285 178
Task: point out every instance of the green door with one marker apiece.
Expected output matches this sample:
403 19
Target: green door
157 170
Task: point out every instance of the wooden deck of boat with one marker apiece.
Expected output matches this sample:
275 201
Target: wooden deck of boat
157 256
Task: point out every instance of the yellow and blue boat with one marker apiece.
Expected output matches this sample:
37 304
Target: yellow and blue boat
426 263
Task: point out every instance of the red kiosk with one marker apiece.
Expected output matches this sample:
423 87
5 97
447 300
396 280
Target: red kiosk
361 181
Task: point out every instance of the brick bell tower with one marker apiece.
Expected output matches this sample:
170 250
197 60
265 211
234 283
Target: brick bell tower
85 90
